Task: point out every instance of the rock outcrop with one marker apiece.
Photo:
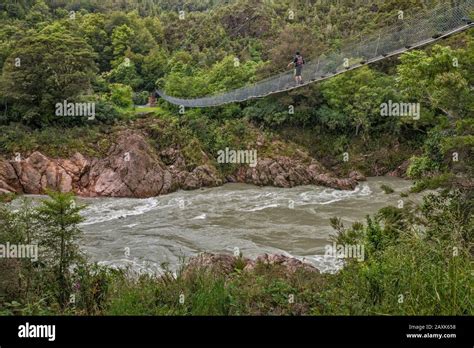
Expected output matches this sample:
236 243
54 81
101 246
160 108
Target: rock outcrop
131 169
287 172
356 175
38 173
226 264
290 264
134 168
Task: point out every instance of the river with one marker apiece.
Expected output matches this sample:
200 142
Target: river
149 234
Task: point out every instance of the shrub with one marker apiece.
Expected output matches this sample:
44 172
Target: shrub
140 98
106 112
121 95
433 183
420 166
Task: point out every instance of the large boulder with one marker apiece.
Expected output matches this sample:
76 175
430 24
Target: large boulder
202 176
38 173
8 178
131 169
290 264
226 264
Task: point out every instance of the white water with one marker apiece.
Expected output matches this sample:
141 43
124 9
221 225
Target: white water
256 220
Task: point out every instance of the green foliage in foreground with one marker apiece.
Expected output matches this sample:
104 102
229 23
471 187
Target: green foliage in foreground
416 262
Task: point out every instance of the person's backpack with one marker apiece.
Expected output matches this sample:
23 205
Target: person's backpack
299 60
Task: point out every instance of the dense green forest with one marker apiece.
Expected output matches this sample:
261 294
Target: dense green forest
117 53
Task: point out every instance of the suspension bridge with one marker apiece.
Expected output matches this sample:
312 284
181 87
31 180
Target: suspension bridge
410 33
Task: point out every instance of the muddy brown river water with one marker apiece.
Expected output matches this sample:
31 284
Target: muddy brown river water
150 233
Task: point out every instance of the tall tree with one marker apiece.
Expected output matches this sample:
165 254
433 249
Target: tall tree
46 68
58 237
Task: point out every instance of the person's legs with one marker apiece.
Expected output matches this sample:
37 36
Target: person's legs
298 74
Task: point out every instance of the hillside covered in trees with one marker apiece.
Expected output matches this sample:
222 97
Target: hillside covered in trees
116 53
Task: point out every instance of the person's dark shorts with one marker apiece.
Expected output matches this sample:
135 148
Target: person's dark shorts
298 70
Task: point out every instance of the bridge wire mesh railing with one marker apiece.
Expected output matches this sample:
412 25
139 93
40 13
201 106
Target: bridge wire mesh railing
421 29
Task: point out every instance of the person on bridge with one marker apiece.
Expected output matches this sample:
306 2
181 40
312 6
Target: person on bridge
298 63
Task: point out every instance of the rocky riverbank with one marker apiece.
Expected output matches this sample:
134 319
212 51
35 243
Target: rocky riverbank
226 264
134 168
